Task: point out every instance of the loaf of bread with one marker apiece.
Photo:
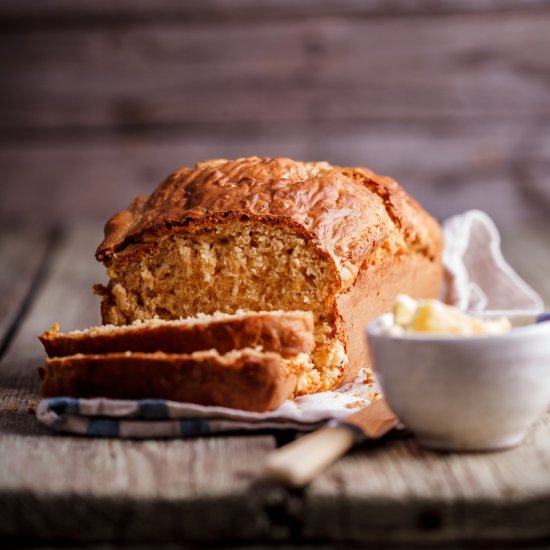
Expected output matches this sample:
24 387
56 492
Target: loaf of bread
288 333
273 234
245 379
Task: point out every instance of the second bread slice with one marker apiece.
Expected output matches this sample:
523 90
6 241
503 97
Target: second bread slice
241 379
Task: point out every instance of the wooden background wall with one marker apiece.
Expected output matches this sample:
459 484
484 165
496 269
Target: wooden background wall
99 100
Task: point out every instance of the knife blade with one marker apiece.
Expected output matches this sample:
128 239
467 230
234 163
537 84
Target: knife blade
299 462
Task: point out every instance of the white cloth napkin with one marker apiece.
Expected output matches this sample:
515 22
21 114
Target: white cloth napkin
477 278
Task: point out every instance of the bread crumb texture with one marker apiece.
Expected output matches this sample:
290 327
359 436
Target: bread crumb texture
227 268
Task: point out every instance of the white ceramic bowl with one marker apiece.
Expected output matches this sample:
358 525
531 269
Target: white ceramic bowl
464 393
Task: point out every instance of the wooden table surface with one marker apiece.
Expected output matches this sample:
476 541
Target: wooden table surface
85 490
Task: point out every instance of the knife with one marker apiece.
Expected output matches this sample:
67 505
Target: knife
297 463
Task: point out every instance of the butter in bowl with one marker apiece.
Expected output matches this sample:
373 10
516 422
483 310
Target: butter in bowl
458 381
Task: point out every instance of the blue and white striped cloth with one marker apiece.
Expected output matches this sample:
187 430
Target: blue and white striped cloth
156 418
110 418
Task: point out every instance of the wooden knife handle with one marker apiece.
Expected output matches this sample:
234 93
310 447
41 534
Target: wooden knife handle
297 463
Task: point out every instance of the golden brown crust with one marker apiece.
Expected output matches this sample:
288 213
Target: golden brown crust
346 212
246 380
287 333
373 294
420 231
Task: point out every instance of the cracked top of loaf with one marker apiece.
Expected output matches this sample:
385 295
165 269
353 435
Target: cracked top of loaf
350 214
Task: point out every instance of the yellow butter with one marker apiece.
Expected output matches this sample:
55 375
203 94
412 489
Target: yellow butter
434 317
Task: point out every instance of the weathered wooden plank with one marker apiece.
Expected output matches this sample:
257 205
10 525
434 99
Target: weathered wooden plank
22 254
398 491
49 10
307 70
90 489
95 180
66 297
501 168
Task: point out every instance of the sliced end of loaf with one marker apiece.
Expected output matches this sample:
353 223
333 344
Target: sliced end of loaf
244 379
228 267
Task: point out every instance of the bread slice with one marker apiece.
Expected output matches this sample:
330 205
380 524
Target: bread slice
244 379
288 333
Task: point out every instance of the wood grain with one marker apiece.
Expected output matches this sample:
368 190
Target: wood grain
334 69
22 254
399 491
66 297
99 489
55 11
102 100
501 168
